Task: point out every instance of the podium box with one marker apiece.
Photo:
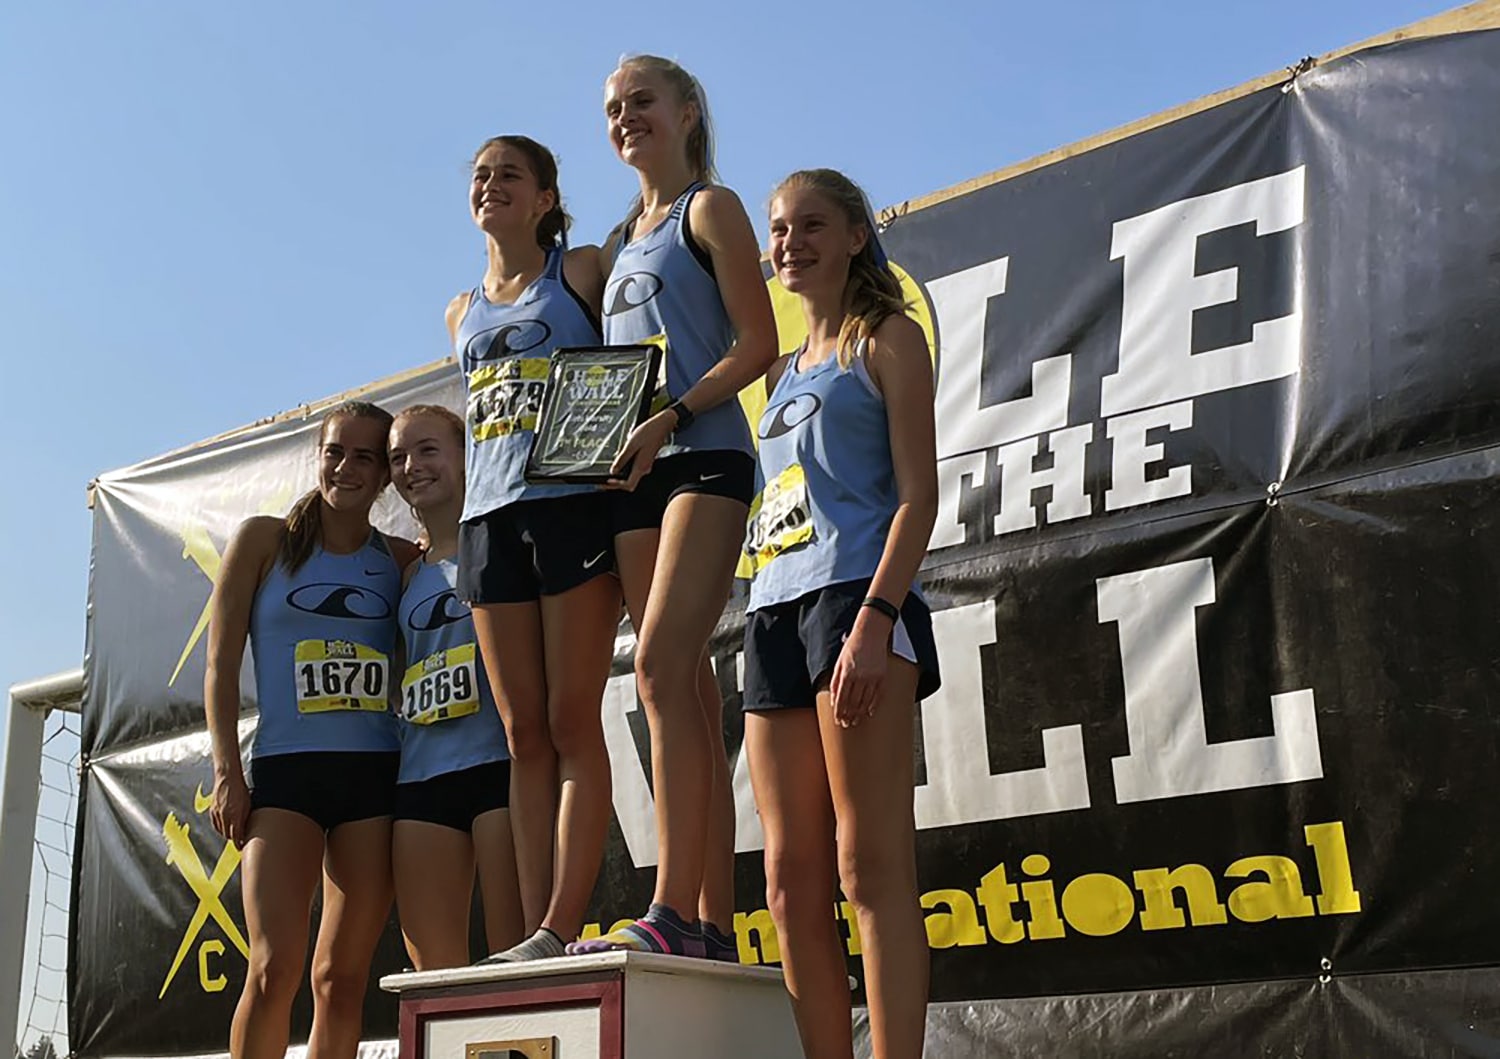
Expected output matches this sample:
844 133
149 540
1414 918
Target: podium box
613 1005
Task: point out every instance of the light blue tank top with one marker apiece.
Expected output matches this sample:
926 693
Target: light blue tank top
659 286
504 350
449 720
828 487
321 640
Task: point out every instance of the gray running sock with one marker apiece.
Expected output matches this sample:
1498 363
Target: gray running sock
543 945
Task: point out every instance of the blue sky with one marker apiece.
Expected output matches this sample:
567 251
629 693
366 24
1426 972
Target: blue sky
210 212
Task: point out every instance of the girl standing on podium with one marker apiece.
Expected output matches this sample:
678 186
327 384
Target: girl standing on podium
534 560
453 787
685 268
838 640
315 595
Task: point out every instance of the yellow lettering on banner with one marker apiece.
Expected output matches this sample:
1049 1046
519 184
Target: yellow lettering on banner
756 934
846 913
997 894
1279 897
216 983
1098 905
958 926
1339 897
1253 889
1041 901
1196 883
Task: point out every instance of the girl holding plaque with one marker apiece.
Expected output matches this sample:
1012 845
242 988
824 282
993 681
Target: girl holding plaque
838 640
533 558
453 788
315 594
685 270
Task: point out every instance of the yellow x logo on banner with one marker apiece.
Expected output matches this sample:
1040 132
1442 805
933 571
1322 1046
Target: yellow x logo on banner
182 856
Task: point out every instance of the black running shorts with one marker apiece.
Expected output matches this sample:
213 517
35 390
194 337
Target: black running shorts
455 799
791 648
328 787
708 472
533 548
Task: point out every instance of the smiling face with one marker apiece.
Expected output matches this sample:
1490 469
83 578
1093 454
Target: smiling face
352 462
813 241
504 195
427 462
648 120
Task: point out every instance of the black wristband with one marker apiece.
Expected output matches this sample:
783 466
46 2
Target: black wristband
875 603
683 413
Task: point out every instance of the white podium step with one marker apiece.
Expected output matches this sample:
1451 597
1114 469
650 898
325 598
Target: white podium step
615 1005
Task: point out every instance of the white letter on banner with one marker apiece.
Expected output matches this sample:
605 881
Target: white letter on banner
1170 755
634 807
948 527
1065 476
1157 364
1129 486
960 788
748 834
959 301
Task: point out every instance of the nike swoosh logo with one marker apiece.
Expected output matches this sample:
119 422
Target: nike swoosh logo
202 802
652 249
709 477
595 559
372 573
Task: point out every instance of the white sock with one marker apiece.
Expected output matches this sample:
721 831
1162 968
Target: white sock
543 945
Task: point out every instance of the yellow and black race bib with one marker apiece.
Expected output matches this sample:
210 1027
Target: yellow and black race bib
339 675
506 398
780 518
440 687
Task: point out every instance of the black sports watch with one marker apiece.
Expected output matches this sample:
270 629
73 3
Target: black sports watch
683 413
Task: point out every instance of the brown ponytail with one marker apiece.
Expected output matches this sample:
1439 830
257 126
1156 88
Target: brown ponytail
872 293
552 229
304 522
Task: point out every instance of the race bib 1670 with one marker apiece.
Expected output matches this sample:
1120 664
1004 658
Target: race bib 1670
339 675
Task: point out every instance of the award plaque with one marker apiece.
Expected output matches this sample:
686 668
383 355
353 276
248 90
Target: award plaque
596 395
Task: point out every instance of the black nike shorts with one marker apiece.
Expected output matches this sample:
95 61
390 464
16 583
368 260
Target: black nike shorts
456 799
708 472
533 548
329 787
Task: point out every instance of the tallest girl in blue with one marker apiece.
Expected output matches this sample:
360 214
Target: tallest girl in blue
686 270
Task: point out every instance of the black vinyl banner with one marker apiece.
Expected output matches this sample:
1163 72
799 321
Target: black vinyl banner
1214 584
